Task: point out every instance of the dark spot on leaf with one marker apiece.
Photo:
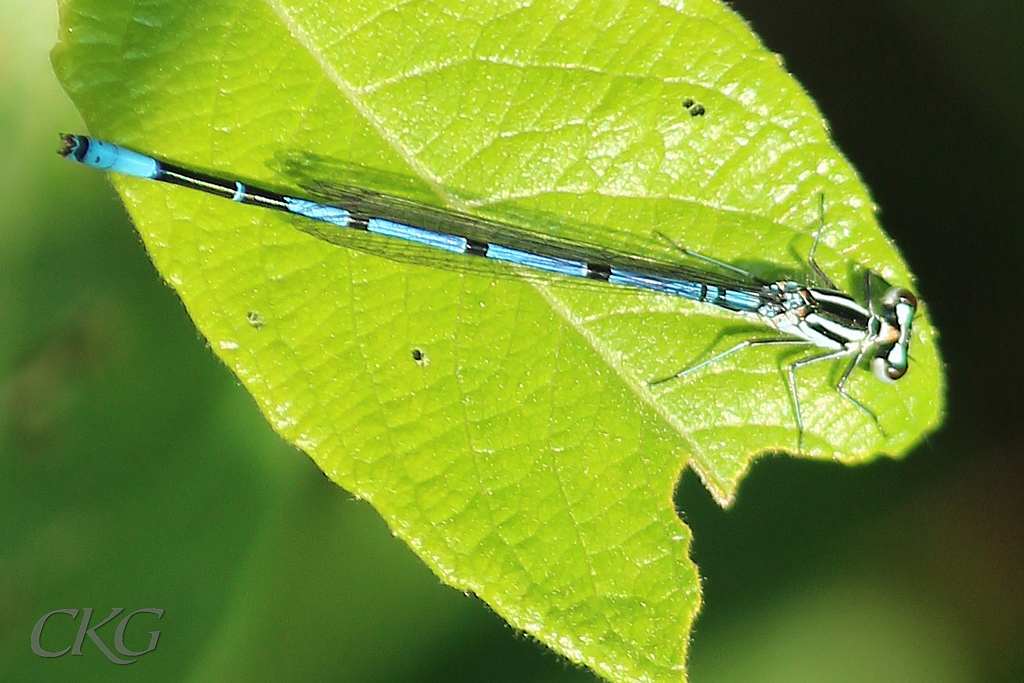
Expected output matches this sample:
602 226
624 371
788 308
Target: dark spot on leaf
694 108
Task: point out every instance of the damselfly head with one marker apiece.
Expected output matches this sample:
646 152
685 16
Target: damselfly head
892 359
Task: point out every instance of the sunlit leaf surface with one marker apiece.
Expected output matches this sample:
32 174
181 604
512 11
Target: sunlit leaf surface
503 427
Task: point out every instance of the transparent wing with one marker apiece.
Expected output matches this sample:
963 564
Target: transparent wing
549 239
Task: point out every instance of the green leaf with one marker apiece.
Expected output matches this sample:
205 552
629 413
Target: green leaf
504 428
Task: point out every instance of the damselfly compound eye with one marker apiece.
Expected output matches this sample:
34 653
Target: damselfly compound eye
897 296
890 364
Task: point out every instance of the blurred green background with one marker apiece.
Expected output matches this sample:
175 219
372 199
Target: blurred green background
137 473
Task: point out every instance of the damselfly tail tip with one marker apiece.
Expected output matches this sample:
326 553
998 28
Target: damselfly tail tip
69 144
